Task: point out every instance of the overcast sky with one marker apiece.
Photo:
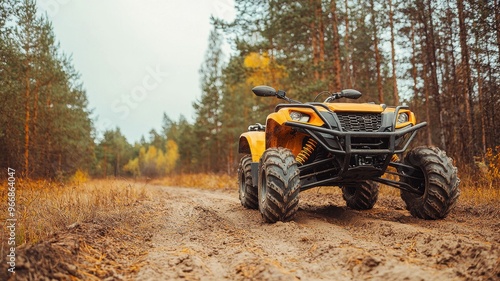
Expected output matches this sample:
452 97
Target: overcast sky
137 59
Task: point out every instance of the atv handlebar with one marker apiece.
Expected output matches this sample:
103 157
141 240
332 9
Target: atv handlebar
266 91
347 93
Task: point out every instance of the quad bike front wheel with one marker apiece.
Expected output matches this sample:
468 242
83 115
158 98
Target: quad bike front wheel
361 196
436 177
279 185
247 191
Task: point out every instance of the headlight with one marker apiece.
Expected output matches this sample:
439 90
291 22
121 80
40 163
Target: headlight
403 118
298 116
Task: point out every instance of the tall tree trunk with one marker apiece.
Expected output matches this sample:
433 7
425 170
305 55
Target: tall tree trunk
335 49
219 155
427 105
347 47
433 65
35 152
230 158
494 93
481 110
321 39
493 98
430 63
27 120
414 62
467 84
314 42
393 56
59 164
377 53
117 165
105 162
48 158
431 47
497 23
480 93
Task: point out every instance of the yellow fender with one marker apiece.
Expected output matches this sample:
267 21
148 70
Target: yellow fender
253 143
279 135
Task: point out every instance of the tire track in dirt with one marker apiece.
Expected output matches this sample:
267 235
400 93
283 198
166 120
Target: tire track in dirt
208 235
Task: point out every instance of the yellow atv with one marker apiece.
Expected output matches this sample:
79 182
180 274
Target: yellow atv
350 145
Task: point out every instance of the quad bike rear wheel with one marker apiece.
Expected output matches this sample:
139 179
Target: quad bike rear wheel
361 196
279 185
248 192
438 181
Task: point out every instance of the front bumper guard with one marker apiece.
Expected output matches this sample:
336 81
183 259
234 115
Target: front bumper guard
348 173
320 134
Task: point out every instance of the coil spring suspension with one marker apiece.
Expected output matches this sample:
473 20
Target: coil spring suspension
306 151
395 158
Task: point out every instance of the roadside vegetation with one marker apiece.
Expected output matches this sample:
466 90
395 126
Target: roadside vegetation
45 207
78 230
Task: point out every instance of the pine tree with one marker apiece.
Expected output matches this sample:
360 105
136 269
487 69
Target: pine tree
112 153
208 109
47 132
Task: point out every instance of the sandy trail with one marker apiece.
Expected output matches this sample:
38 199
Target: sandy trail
207 235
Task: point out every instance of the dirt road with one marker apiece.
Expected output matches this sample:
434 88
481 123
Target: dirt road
208 235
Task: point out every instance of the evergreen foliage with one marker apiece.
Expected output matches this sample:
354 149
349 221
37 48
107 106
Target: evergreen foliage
440 57
45 125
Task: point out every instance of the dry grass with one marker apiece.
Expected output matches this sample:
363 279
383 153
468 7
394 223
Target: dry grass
205 181
92 230
478 191
473 191
44 207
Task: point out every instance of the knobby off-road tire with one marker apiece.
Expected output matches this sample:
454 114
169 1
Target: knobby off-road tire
440 184
361 196
279 185
248 192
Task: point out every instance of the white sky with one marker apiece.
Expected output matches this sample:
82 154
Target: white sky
137 59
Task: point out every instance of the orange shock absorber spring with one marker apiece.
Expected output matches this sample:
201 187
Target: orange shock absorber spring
306 151
395 158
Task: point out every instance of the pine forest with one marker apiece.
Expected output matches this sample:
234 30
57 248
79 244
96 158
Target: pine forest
441 58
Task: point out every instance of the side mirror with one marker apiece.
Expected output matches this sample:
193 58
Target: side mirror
350 94
264 91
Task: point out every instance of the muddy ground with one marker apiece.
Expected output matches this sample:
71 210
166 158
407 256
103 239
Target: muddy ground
208 235
199 234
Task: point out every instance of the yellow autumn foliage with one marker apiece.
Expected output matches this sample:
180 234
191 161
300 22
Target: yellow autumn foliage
133 167
492 158
256 60
79 177
154 162
171 156
264 70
